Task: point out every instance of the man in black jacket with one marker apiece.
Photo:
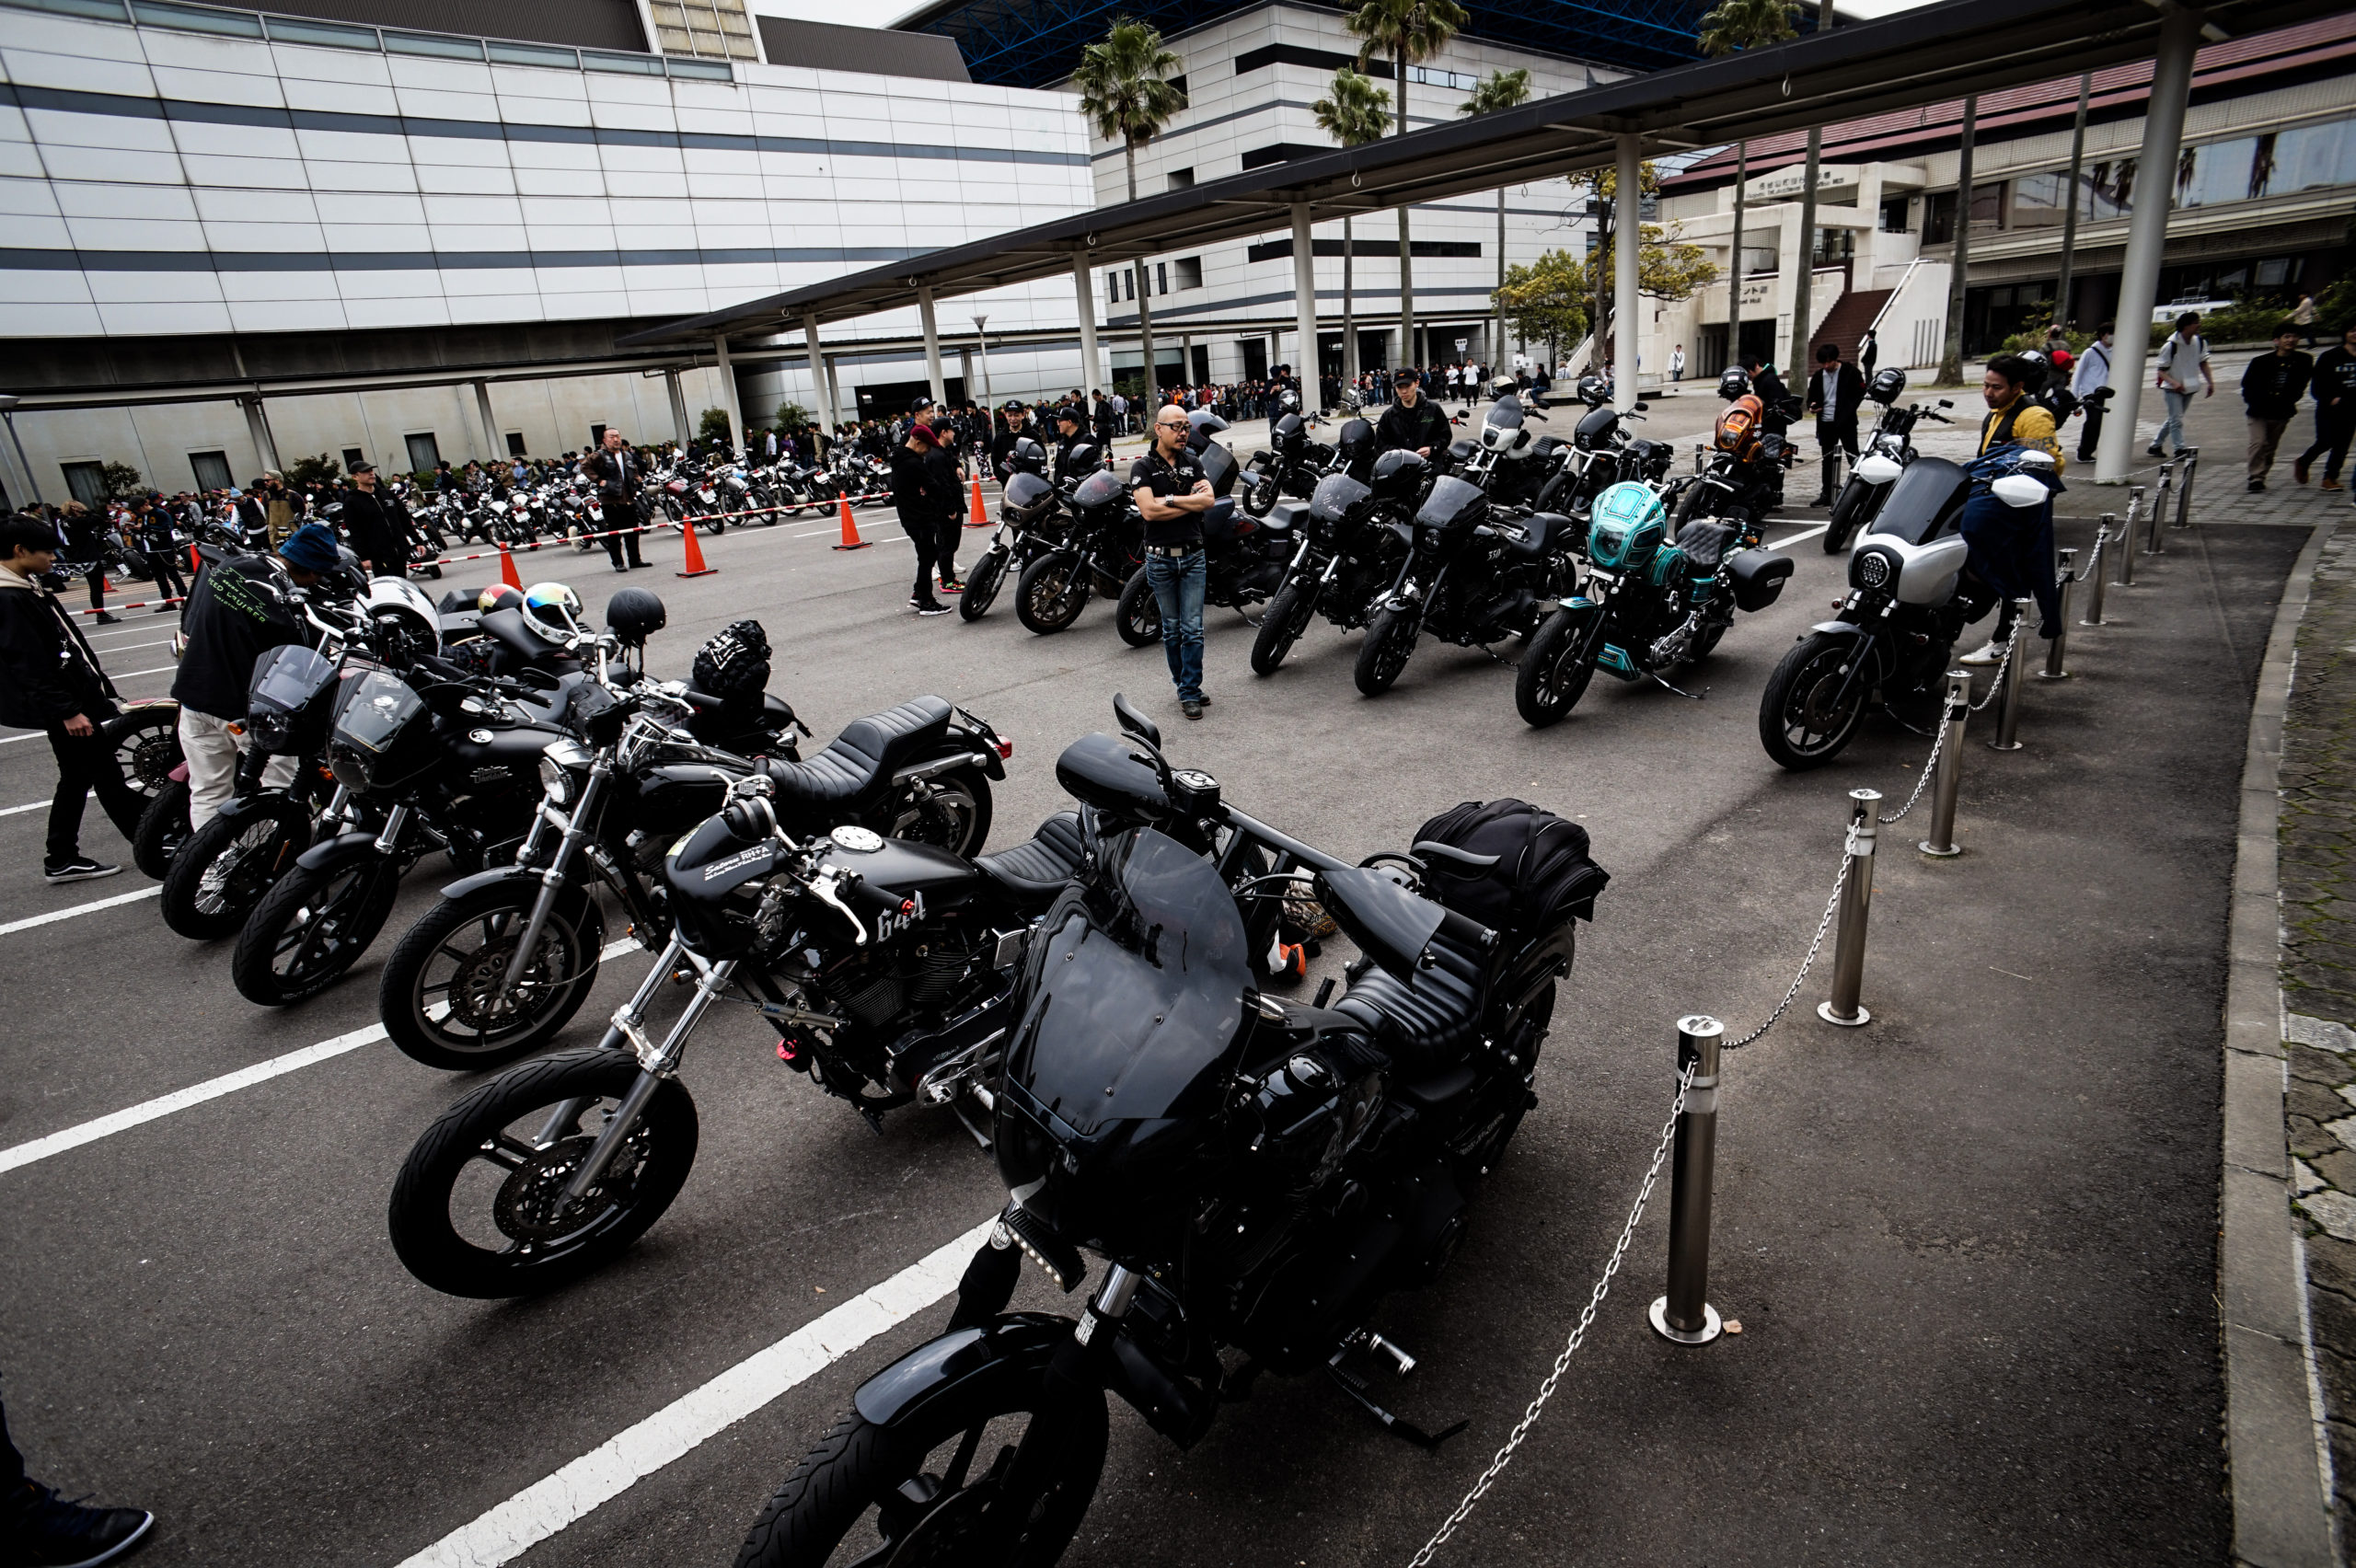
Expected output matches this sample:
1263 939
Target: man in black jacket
618 473
1834 394
2334 385
49 680
1414 423
2271 387
375 524
242 607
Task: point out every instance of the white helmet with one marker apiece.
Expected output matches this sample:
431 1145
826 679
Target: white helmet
407 626
553 611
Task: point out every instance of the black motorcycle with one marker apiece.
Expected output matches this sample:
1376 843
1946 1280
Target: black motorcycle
1470 577
1034 517
1292 467
1243 560
1355 535
1255 1175
1102 547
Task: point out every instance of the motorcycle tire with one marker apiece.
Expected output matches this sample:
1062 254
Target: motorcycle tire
438 996
1260 499
310 928
1389 642
1051 592
1139 616
225 868
1280 627
1553 676
163 828
1798 723
1848 510
982 585
956 817
146 741
498 1127
861 1471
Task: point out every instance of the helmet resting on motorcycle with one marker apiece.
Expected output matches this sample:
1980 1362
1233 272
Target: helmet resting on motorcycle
1733 382
636 614
553 611
1888 386
1626 526
1398 474
1028 457
500 595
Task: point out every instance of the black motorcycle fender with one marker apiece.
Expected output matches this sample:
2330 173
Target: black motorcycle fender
573 899
1007 1351
497 874
340 851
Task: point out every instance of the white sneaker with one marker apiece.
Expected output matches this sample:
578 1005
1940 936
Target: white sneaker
1993 652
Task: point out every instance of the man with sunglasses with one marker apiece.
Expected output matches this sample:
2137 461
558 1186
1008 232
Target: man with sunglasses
1172 493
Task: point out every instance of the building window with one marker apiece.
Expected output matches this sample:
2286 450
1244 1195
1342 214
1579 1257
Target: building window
2039 200
1834 246
2273 274
424 453
86 482
1182 179
352 458
1190 272
1938 211
515 443
212 470
716 30
1162 277
1756 259
597 435
1431 76
1893 214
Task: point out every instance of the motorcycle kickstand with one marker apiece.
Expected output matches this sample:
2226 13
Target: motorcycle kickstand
1397 1425
1697 695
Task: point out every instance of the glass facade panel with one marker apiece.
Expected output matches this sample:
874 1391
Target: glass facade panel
2037 200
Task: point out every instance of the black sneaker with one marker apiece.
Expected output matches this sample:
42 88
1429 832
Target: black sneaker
1205 699
53 1533
80 867
2255 486
928 607
105 617
1191 710
2153 451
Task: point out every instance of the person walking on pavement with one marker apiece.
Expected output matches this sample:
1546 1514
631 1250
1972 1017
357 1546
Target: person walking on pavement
50 681
2334 385
2303 317
2011 547
1172 493
2090 385
912 498
151 526
376 525
84 534
2183 356
240 610
618 472
1677 362
2271 387
945 484
1869 352
1835 392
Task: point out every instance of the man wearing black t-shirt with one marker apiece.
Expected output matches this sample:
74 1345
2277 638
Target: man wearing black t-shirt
1414 423
1172 493
2335 392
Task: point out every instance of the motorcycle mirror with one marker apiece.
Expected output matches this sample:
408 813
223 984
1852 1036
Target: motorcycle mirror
2019 489
1135 722
1643 407
1946 402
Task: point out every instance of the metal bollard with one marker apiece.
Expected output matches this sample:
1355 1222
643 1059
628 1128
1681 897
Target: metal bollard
2008 703
1684 1316
1948 781
2105 540
1856 898
2068 576
2127 537
2190 456
2160 508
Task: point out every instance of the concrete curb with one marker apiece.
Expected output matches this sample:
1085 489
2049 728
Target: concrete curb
2273 1417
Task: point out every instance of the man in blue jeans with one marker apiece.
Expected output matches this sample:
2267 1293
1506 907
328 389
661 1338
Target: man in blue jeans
1172 493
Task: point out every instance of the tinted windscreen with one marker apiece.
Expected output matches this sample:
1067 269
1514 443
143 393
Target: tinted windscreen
1504 413
1924 501
1335 494
1452 500
1098 490
1138 990
285 678
377 707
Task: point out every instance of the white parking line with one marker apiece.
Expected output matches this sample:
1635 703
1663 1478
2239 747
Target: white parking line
211 1089
548 1506
158 670
33 735
1801 538
67 914
37 805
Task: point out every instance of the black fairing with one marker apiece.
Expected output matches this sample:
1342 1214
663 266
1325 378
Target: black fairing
1100 489
1453 503
1219 467
1357 442
1027 497
1924 501
713 877
1098 770
1288 434
1335 495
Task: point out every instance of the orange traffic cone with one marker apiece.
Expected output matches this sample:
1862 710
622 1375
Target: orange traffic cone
851 541
507 570
194 565
693 565
978 517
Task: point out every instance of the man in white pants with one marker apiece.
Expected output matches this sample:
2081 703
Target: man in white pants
239 609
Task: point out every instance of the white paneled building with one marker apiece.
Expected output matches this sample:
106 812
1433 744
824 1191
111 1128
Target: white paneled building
395 244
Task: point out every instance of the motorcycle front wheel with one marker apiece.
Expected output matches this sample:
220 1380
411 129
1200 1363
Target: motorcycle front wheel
1848 510
982 585
1555 669
1051 592
311 928
1280 627
146 741
439 997
163 828
1139 616
476 1209
225 867
937 1485
1390 640
1261 497
1811 709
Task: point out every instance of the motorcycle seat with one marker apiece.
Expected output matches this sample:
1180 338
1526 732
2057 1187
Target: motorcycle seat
1427 1025
1038 869
1704 543
868 751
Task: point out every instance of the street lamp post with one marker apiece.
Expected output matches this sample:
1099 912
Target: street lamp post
982 336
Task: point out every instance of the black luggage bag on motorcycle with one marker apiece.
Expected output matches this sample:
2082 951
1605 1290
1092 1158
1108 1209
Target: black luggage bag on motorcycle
1542 874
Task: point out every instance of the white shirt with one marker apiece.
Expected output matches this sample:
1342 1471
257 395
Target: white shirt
2093 373
2173 353
1676 359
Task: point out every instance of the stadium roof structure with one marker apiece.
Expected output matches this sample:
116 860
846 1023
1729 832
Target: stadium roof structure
1848 74
1033 43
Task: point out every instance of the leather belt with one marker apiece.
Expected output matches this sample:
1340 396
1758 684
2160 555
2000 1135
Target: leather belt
1174 552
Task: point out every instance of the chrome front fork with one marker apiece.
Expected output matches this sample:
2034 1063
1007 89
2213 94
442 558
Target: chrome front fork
655 1064
552 880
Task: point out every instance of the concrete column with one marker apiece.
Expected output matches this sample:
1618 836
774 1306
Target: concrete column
1186 357
821 376
2147 232
834 390
258 426
1804 318
728 387
1145 333
680 427
1092 373
494 448
931 345
1625 303
1304 302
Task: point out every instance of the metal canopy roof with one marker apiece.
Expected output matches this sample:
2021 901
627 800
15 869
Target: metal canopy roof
1941 51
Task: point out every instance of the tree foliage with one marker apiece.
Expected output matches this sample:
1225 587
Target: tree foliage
1737 25
1122 89
713 425
1353 112
120 481
1503 90
1409 32
321 470
1548 299
792 416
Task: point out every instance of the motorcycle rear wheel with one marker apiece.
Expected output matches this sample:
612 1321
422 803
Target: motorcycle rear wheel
1051 592
483 1158
956 817
1139 616
982 585
1798 721
1553 676
311 928
224 869
1390 642
861 1472
1287 618
438 996
163 828
146 741
1261 497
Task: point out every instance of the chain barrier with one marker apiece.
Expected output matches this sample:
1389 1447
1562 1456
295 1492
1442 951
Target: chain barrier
1938 745
1996 687
1814 946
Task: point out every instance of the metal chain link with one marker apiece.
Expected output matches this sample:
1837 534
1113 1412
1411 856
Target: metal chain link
1938 744
1578 1334
2001 664
1815 945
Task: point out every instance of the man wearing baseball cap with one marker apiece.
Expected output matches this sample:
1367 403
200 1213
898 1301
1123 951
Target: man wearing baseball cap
376 525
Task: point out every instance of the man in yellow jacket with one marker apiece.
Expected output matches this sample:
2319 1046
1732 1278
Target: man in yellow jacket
2014 417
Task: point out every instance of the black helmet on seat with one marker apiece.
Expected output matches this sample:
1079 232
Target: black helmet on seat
1888 386
1733 382
635 614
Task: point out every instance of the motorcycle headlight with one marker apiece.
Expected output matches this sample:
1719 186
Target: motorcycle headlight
1873 570
561 766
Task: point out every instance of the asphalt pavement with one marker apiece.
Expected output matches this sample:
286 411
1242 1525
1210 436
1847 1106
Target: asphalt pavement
1972 1246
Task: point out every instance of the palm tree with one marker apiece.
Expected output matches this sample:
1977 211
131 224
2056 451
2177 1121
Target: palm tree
1502 90
1123 91
1409 32
1355 112
1735 25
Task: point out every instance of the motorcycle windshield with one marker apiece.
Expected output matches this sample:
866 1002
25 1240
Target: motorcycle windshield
1924 501
1335 494
376 709
1098 490
1503 417
288 678
1453 502
1137 991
